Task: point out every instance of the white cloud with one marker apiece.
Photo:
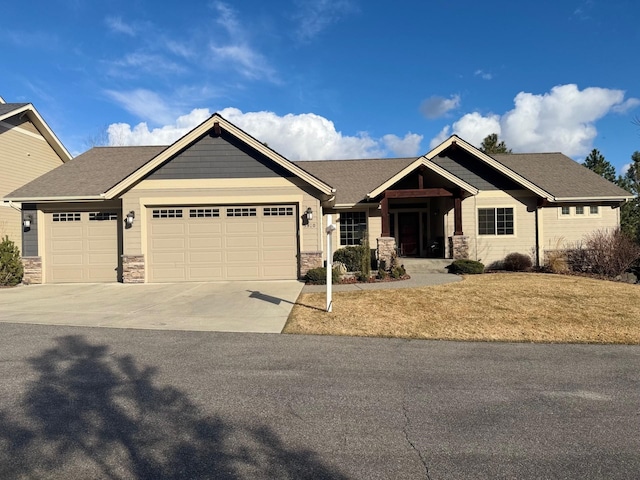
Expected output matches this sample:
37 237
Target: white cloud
122 133
145 63
305 136
560 120
144 104
314 16
482 74
434 107
116 24
409 146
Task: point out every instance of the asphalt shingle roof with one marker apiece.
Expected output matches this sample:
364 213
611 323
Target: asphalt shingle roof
90 174
10 107
353 179
559 175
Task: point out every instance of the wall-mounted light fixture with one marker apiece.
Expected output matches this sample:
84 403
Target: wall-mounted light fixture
26 222
309 214
128 220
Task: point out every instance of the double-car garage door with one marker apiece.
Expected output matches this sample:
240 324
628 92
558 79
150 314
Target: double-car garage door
204 243
184 243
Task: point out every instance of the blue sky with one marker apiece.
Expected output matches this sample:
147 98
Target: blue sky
332 78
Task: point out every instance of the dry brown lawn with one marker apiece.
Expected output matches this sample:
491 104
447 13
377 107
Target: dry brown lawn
516 307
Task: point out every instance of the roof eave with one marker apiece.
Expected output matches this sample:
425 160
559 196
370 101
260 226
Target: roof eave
595 199
70 198
44 129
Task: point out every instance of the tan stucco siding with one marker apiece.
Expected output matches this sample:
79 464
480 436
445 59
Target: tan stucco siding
492 248
565 230
217 192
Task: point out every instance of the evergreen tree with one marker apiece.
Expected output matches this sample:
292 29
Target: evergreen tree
490 145
630 211
595 161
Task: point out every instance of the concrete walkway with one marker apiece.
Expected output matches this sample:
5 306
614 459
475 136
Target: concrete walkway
416 280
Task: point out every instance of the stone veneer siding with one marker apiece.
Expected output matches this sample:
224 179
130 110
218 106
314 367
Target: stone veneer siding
459 247
132 268
32 270
386 251
309 260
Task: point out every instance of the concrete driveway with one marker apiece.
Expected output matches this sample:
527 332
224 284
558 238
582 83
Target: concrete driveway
261 307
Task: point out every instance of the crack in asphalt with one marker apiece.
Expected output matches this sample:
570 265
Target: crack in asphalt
415 449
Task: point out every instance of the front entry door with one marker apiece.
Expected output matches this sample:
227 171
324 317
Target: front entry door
409 233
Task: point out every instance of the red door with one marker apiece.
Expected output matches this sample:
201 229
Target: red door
408 233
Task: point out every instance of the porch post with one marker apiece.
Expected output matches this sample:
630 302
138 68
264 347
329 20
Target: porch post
384 206
457 213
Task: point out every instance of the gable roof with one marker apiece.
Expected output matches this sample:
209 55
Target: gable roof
550 172
106 172
8 110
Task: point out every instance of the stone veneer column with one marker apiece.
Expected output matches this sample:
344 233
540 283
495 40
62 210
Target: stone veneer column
308 261
32 270
459 247
386 251
132 268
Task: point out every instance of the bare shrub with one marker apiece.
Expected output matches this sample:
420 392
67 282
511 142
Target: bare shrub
517 262
604 252
556 258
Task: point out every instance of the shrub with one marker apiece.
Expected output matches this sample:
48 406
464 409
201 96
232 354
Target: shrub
11 269
517 262
468 267
398 272
318 276
605 252
350 257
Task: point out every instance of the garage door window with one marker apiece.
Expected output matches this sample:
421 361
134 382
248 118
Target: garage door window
102 216
278 211
167 213
241 212
204 213
66 217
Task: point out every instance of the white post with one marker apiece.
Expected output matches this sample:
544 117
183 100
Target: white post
330 228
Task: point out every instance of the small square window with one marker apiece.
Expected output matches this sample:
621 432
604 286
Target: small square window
579 210
594 210
566 211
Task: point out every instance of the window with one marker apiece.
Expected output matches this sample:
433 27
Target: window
204 213
167 213
579 210
102 216
566 210
278 211
594 210
495 221
241 212
352 227
66 217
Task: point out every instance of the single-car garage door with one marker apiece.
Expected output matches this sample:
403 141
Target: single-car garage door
207 243
81 247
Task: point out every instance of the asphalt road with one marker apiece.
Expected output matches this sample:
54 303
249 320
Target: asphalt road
131 404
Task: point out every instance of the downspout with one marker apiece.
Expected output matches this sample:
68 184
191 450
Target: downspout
14 206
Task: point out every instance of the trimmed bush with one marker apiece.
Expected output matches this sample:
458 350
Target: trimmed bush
466 267
318 276
11 269
350 256
398 272
517 262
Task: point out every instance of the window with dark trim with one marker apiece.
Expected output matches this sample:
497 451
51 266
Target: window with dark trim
594 210
277 211
566 210
66 217
353 225
102 216
167 213
580 210
204 213
495 221
241 212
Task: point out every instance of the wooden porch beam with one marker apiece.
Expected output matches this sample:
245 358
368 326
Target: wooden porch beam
418 193
384 207
457 214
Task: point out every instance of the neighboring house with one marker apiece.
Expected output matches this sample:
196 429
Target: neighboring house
220 205
28 148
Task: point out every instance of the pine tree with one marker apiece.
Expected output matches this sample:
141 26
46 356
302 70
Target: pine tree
595 161
490 145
